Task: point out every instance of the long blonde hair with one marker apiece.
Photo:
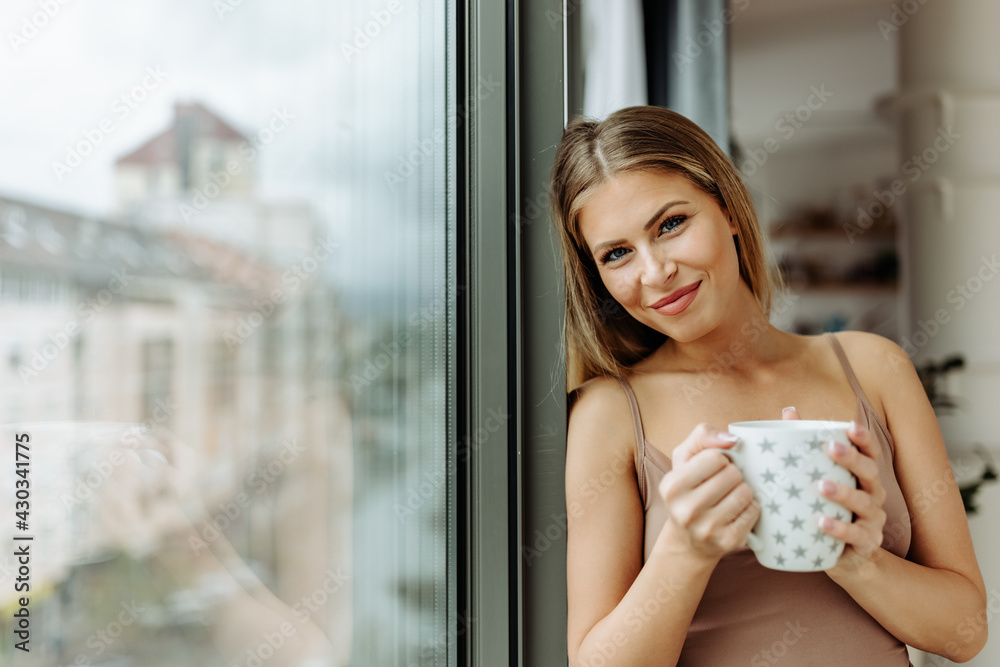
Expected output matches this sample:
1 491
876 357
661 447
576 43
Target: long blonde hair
601 338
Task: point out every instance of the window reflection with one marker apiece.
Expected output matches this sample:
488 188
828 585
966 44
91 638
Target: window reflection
229 335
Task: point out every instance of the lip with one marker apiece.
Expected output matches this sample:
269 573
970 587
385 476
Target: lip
678 300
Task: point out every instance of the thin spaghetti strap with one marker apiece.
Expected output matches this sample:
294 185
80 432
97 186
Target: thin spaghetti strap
866 412
846 364
640 438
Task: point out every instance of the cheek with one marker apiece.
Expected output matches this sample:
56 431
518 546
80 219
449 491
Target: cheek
718 252
621 287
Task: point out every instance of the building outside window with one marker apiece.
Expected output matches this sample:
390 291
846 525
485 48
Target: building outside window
267 314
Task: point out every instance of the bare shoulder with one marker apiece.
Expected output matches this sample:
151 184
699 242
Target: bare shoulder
866 341
885 372
602 397
875 359
600 422
605 520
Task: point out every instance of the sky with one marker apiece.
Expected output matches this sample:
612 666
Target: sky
70 71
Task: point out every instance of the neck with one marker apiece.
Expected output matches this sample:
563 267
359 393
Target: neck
743 343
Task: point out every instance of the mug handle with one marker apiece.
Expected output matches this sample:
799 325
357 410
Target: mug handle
735 454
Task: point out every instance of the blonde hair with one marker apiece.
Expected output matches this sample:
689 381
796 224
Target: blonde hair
601 338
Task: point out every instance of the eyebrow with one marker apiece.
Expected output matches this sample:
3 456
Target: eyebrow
652 221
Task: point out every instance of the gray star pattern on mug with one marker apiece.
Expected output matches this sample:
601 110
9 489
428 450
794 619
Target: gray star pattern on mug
791 460
833 546
816 444
779 559
766 445
817 506
768 476
779 538
774 507
818 562
818 535
800 552
840 517
794 491
815 475
797 523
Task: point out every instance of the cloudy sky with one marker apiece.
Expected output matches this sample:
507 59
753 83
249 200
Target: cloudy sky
62 75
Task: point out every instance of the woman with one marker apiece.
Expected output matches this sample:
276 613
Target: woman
668 341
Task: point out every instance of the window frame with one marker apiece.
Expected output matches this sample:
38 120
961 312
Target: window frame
516 610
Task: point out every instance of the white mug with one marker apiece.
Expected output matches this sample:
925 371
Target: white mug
783 461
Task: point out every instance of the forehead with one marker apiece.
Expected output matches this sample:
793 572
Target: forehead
631 198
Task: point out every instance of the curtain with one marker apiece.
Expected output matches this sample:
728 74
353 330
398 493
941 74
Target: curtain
686 59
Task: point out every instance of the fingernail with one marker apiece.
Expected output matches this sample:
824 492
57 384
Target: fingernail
838 448
827 487
790 407
825 522
728 437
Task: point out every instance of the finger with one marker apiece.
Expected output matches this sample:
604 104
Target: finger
864 440
790 413
713 490
731 506
860 535
702 437
681 480
734 533
704 466
728 521
858 501
859 464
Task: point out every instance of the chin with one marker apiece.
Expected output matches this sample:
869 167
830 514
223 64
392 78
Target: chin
688 331
681 334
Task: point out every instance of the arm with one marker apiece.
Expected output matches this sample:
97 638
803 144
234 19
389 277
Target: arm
622 612
935 599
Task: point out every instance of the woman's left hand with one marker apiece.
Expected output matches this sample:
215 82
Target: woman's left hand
863 536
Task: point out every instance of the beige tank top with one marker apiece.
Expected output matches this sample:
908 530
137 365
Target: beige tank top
752 615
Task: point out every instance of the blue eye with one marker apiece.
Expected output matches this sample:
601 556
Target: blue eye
670 224
613 255
667 226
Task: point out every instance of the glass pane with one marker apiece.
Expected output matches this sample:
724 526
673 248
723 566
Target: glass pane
227 296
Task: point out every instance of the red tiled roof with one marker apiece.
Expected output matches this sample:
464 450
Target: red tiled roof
160 149
163 147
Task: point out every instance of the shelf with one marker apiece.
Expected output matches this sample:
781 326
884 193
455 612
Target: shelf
837 233
850 289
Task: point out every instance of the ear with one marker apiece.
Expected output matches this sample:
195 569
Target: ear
732 225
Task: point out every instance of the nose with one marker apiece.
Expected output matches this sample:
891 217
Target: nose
656 272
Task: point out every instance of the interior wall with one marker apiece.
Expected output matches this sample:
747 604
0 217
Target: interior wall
805 79
781 51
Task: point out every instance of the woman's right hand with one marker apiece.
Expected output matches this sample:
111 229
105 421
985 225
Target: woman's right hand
710 508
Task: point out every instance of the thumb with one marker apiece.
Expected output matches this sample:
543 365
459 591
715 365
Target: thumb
790 413
702 437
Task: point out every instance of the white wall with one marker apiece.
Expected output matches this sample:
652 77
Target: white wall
780 50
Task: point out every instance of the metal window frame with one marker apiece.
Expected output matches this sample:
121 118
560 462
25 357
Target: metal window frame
515 377
540 113
487 469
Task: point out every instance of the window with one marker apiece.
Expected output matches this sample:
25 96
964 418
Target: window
256 231
309 257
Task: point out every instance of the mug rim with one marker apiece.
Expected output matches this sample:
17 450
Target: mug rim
791 424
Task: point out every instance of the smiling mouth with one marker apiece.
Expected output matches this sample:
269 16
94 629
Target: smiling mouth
676 295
